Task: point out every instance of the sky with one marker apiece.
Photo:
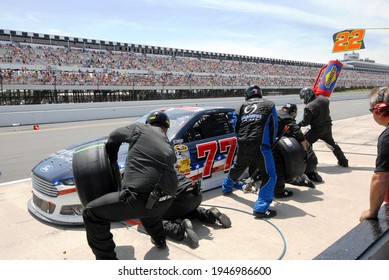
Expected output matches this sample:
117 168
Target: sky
300 30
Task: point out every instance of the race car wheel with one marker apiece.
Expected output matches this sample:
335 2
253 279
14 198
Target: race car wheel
94 175
294 157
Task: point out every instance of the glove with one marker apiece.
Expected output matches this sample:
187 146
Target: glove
112 151
196 187
127 196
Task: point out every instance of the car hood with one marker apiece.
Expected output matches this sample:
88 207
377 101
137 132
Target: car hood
58 166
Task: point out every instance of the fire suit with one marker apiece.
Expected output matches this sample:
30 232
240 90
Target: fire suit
256 129
317 115
149 168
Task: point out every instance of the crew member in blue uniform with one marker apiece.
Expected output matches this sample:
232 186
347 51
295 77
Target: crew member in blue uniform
256 129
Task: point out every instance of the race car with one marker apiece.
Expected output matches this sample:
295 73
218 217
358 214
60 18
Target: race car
202 137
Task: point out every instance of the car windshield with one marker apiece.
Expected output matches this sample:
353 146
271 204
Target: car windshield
178 117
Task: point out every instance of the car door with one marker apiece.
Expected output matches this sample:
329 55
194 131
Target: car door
208 148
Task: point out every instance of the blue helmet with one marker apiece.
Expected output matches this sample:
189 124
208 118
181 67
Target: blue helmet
252 91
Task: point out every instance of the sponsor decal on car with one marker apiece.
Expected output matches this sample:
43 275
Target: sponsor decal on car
46 168
183 158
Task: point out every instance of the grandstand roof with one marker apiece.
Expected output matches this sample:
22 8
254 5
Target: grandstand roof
353 60
67 41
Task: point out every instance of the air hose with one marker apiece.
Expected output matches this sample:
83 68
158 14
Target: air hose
237 210
265 220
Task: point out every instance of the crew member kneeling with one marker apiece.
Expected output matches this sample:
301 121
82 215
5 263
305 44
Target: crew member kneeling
185 207
286 117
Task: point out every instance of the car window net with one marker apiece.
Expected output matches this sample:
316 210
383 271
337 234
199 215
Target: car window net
214 125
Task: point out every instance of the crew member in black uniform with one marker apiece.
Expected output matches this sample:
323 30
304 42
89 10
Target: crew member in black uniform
286 117
186 207
149 184
256 129
379 185
317 115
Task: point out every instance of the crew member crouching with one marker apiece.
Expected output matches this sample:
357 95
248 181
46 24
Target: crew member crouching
286 117
186 207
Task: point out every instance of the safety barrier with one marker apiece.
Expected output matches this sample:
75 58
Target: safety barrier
369 240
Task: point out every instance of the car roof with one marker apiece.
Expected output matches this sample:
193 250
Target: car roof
176 113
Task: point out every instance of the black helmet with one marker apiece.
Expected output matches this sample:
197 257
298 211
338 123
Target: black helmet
253 90
158 117
291 109
307 95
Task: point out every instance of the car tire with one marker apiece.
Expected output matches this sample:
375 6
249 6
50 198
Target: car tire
94 175
294 157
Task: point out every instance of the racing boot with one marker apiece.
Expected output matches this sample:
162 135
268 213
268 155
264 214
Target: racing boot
180 230
338 153
302 180
265 215
228 185
192 238
220 217
343 163
174 230
260 211
342 160
213 215
160 244
314 176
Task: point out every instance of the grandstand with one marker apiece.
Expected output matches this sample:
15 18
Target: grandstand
353 60
40 68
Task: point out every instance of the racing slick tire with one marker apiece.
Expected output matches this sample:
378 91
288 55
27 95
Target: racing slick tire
94 175
294 157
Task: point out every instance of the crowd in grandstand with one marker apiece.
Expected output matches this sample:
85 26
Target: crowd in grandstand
49 65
